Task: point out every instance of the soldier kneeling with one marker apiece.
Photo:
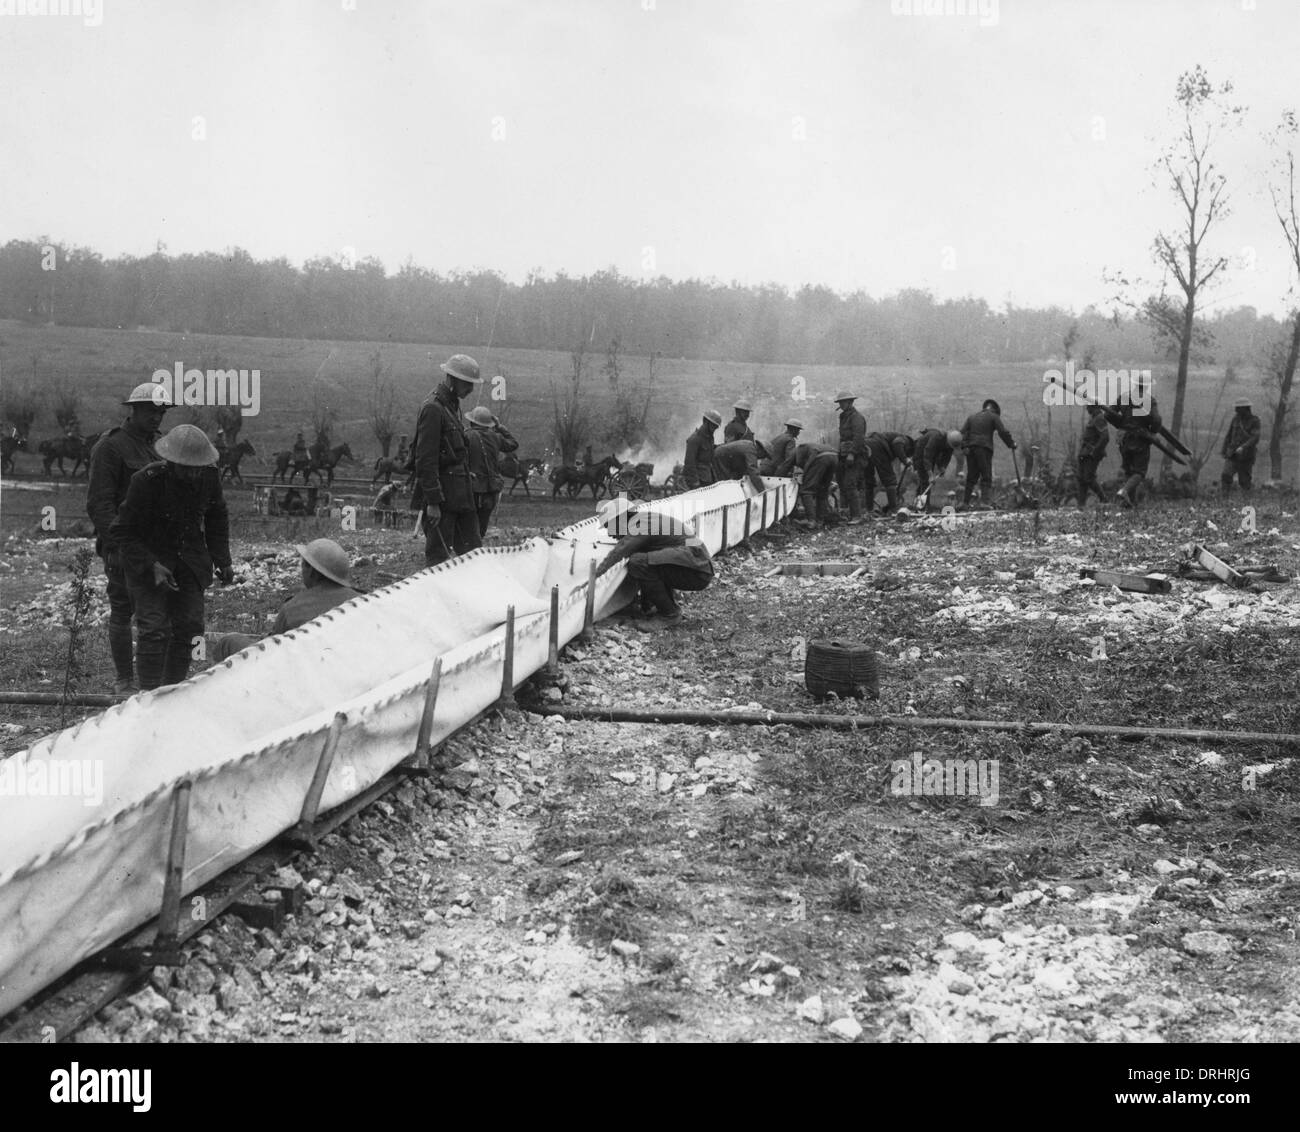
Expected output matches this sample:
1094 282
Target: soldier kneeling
663 554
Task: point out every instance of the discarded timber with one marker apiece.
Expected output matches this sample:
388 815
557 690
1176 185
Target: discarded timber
862 722
1217 566
58 699
1137 583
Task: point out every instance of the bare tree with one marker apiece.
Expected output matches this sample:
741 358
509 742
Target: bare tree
20 404
571 420
1279 377
65 400
612 369
1205 433
1200 187
324 414
381 402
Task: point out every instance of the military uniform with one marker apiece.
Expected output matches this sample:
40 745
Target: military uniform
183 526
1136 434
442 478
883 448
1092 450
698 465
819 463
1239 449
485 448
661 563
977 438
737 430
119 454
780 455
851 472
738 460
932 455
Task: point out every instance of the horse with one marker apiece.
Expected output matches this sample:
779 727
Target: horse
8 446
518 471
74 448
594 476
228 463
327 461
385 466
282 463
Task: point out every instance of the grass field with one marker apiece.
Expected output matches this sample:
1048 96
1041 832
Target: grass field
104 364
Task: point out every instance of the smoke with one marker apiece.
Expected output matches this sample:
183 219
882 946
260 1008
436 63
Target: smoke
663 459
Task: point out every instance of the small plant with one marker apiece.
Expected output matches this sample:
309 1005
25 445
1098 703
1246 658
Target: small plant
80 599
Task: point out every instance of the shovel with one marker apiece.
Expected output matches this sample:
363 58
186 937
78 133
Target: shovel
1023 498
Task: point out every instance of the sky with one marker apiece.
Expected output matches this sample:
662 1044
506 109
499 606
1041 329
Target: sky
1003 150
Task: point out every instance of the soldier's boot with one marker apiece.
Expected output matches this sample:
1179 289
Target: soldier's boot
176 667
150 660
891 500
119 647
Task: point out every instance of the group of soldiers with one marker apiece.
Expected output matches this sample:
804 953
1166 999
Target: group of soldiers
860 464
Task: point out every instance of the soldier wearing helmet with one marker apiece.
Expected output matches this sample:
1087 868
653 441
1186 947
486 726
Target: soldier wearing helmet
738 427
116 457
442 482
977 439
1239 447
700 446
1092 450
934 451
852 451
780 458
172 533
487 439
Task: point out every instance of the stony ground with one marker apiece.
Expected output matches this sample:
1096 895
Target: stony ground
594 881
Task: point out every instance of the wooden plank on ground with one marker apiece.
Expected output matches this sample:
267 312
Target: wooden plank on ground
1137 583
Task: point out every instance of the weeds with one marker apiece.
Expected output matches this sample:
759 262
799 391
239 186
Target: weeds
80 600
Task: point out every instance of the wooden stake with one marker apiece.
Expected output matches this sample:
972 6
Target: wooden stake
508 661
763 525
748 512
553 650
725 509
169 917
589 613
426 717
311 804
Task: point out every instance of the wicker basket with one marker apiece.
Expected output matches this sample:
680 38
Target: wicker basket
841 667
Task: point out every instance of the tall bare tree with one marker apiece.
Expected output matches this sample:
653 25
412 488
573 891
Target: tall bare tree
20 404
65 400
571 419
1279 377
381 402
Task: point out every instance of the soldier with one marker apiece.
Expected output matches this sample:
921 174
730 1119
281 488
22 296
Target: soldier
382 510
700 446
663 555
737 428
300 454
977 439
1137 432
883 448
442 487
172 533
326 583
852 453
1092 450
116 457
818 462
1239 447
738 460
780 453
487 439
934 449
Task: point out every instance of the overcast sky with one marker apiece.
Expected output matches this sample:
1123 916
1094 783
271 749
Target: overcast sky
808 141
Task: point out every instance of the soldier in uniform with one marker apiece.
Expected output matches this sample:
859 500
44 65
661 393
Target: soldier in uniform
780 453
852 453
883 448
934 449
442 486
326 582
1239 447
738 460
977 439
1137 431
172 533
116 457
487 439
738 428
818 463
663 555
1092 450
700 446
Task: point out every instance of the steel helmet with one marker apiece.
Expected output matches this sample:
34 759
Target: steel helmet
1243 403
713 418
844 396
992 404
186 444
745 405
794 422
463 367
327 558
481 415
954 438
150 392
